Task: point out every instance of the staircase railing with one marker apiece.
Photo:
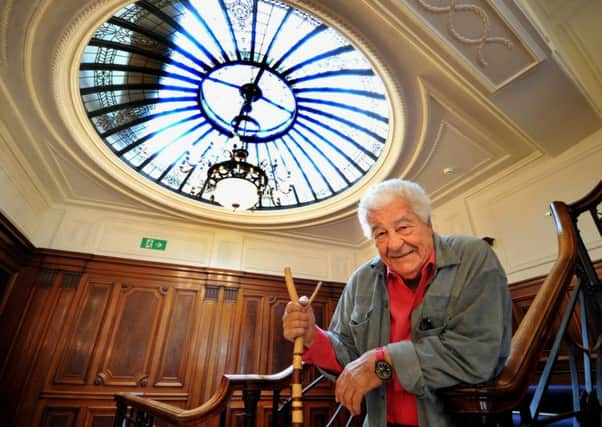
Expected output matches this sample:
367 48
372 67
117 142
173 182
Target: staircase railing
134 409
587 296
491 404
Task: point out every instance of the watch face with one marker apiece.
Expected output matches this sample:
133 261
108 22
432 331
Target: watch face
383 370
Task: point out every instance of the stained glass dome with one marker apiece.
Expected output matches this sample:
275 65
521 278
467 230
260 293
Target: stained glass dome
174 86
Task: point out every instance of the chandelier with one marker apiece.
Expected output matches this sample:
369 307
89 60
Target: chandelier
235 183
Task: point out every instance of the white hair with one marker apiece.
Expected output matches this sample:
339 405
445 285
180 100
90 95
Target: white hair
381 194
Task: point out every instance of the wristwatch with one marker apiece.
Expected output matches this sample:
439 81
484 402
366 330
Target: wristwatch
382 368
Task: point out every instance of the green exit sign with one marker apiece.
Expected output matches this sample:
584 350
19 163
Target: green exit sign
156 244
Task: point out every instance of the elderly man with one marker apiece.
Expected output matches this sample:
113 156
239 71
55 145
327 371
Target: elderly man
429 312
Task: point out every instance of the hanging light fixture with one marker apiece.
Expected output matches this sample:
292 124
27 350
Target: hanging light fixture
235 183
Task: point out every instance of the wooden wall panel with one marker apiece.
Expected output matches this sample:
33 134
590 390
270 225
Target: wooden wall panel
91 414
64 293
134 329
59 417
318 414
221 347
23 354
523 293
248 359
277 345
81 340
12 309
15 250
99 417
208 313
178 341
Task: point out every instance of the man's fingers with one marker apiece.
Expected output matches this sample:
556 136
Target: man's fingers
295 324
356 405
292 306
341 389
298 321
348 397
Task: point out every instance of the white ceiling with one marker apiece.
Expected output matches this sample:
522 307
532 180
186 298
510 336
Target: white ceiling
482 86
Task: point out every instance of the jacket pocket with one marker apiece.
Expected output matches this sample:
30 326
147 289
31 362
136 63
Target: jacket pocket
433 316
359 325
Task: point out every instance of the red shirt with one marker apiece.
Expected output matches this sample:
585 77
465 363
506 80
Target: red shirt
401 405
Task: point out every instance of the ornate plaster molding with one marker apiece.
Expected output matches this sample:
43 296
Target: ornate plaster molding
482 40
471 37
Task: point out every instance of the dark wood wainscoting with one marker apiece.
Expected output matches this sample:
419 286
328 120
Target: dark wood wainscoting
92 325
15 254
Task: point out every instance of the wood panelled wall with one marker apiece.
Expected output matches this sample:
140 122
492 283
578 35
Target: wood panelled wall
15 251
91 326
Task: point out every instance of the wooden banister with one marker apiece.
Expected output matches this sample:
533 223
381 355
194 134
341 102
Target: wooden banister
506 392
138 409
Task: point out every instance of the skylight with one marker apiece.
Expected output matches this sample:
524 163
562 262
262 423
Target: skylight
162 83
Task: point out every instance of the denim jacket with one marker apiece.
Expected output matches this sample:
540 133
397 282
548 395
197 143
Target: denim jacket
461 331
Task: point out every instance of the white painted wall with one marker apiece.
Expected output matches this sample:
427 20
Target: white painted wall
103 232
512 208
20 199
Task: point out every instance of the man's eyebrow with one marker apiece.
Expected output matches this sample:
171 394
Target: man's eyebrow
375 226
403 218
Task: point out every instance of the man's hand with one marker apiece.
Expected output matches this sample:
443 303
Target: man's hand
357 379
299 321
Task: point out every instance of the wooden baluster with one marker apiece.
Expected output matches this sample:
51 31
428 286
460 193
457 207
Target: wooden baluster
297 380
275 401
250 397
120 414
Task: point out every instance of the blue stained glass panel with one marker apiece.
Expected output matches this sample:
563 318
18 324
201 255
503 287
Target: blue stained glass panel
172 86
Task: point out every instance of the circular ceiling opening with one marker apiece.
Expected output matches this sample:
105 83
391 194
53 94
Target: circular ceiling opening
174 87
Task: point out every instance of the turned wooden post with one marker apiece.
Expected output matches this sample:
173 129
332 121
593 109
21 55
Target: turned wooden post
297 379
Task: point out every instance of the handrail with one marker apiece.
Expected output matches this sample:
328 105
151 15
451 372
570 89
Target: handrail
508 389
213 407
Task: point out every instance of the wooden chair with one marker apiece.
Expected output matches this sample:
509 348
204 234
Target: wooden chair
491 404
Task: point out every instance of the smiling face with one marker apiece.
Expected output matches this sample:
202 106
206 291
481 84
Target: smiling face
403 241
